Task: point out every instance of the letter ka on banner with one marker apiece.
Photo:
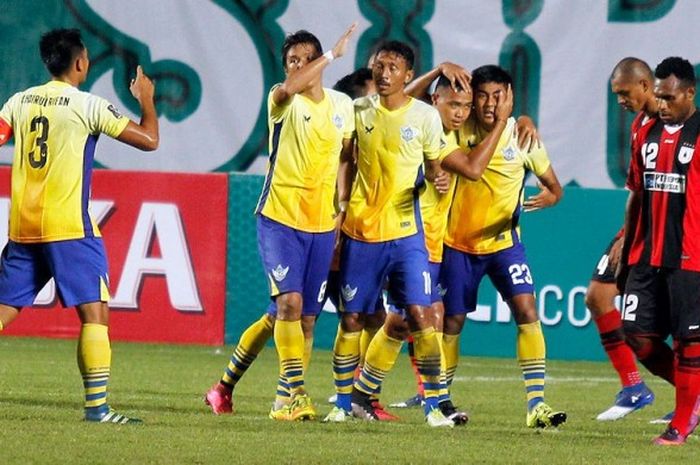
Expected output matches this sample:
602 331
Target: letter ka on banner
165 236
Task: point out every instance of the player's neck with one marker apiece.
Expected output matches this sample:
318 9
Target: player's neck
394 101
651 109
68 79
314 93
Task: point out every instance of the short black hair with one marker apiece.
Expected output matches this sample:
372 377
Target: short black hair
58 49
633 67
354 84
490 73
443 81
399 48
302 36
677 66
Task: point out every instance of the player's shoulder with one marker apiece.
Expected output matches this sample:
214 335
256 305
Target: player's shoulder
338 98
368 102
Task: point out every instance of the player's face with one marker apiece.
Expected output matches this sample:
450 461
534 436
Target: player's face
454 107
390 73
675 100
631 94
298 56
486 100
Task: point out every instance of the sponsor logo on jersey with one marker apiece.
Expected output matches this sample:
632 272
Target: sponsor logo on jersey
114 111
369 129
408 133
348 292
664 182
307 118
280 273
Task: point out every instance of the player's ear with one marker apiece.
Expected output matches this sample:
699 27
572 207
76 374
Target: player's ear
409 76
691 92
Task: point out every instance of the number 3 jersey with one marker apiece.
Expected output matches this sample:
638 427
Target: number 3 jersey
664 169
56 127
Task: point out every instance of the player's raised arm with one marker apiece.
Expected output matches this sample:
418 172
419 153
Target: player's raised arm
143 135
459 78
473 164
302 67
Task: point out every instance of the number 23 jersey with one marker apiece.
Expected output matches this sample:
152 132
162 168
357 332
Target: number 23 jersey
56 127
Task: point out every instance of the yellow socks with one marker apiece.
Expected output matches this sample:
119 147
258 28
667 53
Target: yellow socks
94 360
346 357
427 352
531 358
249 346
380 358
289 340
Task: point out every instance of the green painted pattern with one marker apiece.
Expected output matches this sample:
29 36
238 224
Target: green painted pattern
636 11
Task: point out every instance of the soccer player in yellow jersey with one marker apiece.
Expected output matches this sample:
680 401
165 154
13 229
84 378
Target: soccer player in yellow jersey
483 235
52 235
383 235
310 157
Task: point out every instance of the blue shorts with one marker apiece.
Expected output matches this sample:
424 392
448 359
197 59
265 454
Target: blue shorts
365 266
462 272
79 268
436 290
295 261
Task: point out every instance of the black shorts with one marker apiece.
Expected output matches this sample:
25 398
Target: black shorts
603 272
662 301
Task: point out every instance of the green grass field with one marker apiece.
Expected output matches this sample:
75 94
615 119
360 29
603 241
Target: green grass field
41 413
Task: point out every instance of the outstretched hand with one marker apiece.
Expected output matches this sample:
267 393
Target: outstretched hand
141 87
543 199
342 44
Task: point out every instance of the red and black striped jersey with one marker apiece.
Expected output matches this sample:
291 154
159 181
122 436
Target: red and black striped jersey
664 170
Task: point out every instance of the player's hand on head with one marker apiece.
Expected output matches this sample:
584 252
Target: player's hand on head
142 87
457 75
528 137
543 199
504 106
442 182
342 44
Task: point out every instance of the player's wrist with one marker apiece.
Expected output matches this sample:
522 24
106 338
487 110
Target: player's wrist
329 55
343 206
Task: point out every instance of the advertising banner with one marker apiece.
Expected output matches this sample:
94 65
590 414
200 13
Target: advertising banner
165 236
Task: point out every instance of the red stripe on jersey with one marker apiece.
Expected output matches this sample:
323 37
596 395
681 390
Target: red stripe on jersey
690 253
5 131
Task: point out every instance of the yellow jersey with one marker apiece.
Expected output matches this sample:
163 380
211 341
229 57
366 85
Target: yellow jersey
435 207
484 214
392 145
305 143
56 127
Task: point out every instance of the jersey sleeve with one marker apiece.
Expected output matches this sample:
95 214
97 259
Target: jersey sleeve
448 144
634 177
8 110
104 118
277 112
348 118
537 160
432 132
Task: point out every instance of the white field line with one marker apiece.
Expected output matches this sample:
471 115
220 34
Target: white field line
549 379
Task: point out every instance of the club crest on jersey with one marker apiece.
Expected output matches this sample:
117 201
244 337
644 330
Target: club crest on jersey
509 153
338 121
348 292
685 154
280 273
664 182
408 133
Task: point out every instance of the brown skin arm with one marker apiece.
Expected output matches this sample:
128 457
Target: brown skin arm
550 192
473 164
144 135
299 80
458 76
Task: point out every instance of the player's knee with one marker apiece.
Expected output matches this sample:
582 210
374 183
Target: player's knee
375 320
396 327
642 346
352 322
289 306
453 324
600 300
308 323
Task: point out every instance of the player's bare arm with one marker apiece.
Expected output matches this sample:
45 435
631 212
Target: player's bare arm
143 135
459 78
303 68
632 210
528 138
473 164
550 192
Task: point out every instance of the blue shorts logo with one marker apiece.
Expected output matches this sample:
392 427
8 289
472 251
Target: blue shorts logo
348 292
280 273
